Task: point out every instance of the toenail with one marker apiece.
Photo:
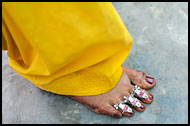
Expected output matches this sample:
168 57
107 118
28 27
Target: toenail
150 97
142 107
150 80
131 113
117 115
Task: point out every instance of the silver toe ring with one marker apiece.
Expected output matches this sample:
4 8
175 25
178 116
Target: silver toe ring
132 100
139 92
123 107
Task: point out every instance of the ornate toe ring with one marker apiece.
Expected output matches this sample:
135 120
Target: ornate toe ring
123 107
132 100
139 92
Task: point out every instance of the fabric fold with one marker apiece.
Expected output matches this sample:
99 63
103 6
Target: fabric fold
67 48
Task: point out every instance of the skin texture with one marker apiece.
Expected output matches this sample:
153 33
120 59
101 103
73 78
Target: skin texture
124 87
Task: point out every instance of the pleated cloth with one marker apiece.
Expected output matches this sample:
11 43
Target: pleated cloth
67 48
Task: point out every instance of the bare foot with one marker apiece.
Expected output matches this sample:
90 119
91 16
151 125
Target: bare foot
104 103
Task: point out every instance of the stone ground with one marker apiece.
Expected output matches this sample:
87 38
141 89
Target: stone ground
160 48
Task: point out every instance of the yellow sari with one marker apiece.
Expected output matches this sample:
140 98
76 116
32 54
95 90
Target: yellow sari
67 48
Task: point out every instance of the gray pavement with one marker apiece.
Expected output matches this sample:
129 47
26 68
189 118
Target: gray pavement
160 48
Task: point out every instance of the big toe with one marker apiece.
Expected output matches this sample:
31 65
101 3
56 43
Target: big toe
140 78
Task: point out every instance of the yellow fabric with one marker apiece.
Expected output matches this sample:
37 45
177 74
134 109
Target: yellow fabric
66 48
